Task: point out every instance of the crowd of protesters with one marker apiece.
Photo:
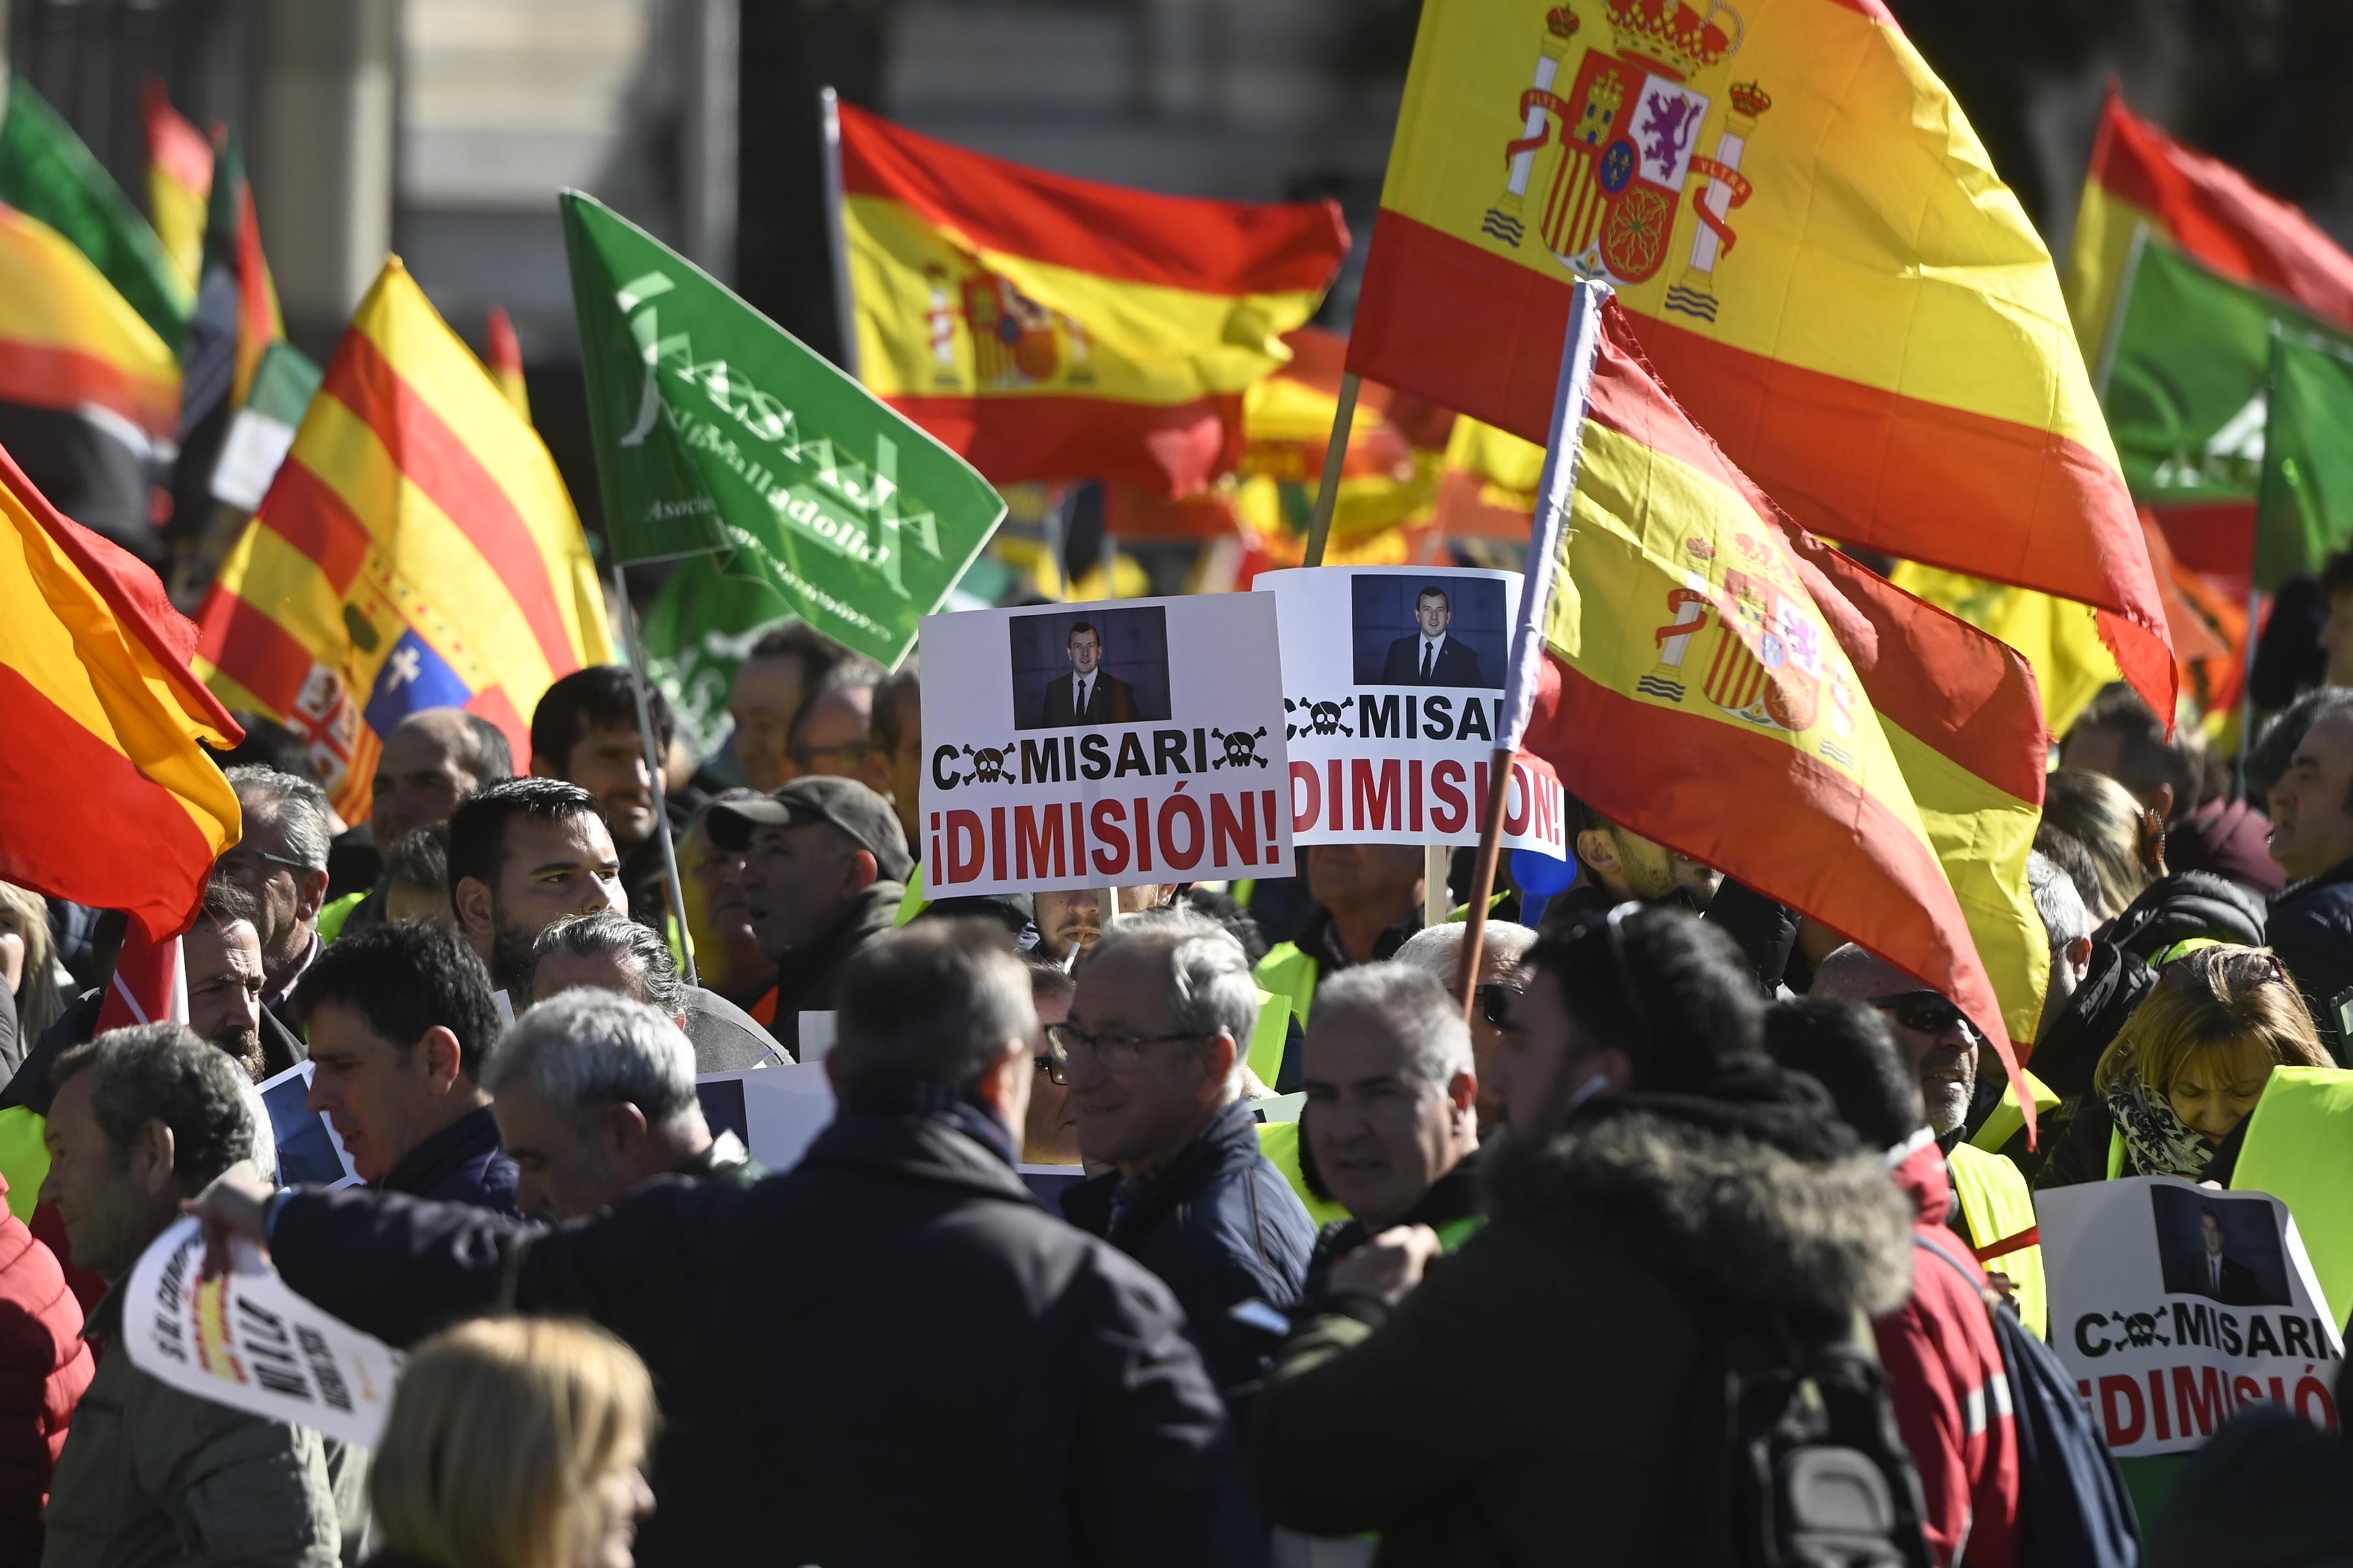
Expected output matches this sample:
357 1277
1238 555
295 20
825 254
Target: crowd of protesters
1474 1301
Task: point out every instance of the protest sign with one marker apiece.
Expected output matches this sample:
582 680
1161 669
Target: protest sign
1103 744
2174 1305
247 1341
778 1111
1393 694
310 1152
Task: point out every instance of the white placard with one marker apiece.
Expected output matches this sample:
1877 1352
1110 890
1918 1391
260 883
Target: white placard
776 1111
1174 770
2174 1305
1380 751
816 1033
246 1341
310 1150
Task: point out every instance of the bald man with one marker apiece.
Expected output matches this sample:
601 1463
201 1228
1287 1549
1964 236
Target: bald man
1939 1041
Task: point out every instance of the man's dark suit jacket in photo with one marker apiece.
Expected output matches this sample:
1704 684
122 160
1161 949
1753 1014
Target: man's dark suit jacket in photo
1457 665
2239 1286
1110 701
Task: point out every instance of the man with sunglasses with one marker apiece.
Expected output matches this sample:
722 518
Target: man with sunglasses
1154 1047
281 864
1438 952
1996 1210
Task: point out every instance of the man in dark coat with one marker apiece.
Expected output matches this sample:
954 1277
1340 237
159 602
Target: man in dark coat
1526 1403
2311 924
1429 656
1089 694
894 1313
400 1020
825 870
1154 1048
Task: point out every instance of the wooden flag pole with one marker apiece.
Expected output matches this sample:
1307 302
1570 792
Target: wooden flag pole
845 304
654 762
1336 453
1483 878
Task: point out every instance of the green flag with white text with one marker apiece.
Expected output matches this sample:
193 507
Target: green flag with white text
2305 513
47 170
2184 388
719 433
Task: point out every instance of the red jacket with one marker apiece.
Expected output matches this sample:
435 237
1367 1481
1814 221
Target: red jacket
44 1366
1945 1375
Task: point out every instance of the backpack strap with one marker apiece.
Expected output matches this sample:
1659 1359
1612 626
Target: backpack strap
1991 1297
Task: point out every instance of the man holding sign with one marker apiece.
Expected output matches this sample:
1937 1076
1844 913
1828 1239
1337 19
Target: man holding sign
143 1120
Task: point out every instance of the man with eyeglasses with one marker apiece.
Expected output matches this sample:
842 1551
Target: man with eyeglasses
1154 1047
1996 1210
281 864
833 734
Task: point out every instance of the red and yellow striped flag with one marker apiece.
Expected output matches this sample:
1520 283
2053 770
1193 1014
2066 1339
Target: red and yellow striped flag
417 550
1826 268
106 796
69 342
1047 328
1713 677
179 181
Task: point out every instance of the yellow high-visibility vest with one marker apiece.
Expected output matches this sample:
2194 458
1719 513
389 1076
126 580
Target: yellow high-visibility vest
2000 1212
2008 1121
2299 1149
1290 973
1279 1141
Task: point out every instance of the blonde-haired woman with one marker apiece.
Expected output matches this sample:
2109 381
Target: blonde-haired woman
2126 839
29 961
514 1443
2188 1067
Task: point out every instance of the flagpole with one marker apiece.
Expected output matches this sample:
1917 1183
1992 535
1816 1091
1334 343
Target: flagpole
1336 453
845 305
1554 490
2115 323
654 765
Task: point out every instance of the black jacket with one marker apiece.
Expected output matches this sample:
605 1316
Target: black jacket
1110 701
2070 1050
462 1163
809 978
1454 1196
2189 904
1457 664
1220 1224
887 1357
2312 931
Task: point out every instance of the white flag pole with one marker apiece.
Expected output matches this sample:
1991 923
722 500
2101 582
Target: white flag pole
654 765
845 304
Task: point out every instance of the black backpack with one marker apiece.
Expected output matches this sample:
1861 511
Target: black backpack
1795 1460
2074 1510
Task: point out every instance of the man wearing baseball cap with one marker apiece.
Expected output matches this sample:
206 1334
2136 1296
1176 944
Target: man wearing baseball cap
824 869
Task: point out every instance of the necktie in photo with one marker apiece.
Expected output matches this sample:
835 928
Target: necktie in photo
1428 657
1083 684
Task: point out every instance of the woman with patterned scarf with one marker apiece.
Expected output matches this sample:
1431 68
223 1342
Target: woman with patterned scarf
2184 1073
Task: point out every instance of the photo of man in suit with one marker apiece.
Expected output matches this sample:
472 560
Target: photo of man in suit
1428 657
2212 1272
1089 694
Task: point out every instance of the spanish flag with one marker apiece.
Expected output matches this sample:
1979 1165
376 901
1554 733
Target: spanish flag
1710 676
2142 178
106 794
1389 475
417 550
179 181
1825 266
1047 328
236 316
